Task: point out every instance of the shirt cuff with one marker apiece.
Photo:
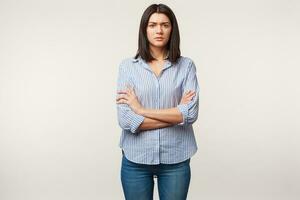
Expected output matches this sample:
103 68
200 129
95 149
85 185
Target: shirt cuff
136 121
183 108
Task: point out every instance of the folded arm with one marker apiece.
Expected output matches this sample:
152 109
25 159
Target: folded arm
149 124
133 117
184 113
170 115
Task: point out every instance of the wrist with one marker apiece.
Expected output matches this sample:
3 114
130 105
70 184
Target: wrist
141 111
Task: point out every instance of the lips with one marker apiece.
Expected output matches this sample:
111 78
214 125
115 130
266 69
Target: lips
158 38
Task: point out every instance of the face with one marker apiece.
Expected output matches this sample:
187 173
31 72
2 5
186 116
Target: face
158 30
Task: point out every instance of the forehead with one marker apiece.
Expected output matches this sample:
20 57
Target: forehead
158 18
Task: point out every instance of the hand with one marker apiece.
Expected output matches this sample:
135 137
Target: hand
187 97
128 97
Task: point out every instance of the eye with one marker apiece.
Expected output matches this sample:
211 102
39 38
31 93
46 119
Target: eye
166 25
151 25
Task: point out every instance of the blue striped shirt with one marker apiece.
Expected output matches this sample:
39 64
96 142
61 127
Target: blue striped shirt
167 145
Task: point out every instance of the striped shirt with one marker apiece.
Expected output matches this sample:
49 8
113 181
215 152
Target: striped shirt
166 145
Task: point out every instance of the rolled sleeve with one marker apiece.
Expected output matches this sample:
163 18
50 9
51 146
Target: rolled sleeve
190 110
127 119
183 108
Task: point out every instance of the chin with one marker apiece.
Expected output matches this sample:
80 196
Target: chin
158 44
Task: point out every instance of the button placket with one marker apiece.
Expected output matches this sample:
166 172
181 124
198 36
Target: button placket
157 106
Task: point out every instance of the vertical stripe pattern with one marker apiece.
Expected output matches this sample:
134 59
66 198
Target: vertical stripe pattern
164 145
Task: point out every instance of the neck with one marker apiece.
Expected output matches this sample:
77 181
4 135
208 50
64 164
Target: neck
158 53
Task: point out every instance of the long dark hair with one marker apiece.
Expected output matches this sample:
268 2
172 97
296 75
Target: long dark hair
174 40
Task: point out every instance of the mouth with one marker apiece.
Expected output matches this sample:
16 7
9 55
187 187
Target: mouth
158 38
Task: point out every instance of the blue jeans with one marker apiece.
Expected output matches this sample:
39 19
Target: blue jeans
172 179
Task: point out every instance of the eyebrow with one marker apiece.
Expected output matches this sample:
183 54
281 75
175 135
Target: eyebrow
160 23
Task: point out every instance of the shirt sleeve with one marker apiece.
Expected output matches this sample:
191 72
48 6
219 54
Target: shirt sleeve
190 110
127 119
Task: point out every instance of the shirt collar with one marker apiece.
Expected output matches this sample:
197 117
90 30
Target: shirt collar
144 64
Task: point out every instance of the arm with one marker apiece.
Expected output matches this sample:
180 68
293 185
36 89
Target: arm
172 114
127 119
149 124
190 110
169 115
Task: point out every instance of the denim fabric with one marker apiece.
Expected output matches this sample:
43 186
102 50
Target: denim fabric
138 180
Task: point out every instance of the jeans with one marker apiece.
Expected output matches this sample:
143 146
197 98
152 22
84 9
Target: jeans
172 179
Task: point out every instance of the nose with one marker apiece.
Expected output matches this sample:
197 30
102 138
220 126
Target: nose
159 29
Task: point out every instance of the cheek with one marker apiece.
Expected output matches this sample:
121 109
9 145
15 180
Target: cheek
149 35
168 32
149 32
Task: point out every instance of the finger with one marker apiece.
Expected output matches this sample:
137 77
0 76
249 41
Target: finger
187 92
192 93
122 101
122 92
122 97
127 92
189 98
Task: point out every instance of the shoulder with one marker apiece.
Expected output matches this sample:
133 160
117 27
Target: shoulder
186 59
127 62
187 62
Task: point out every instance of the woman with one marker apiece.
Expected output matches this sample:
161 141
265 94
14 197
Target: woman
157 104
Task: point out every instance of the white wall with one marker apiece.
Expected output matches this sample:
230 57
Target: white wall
58 69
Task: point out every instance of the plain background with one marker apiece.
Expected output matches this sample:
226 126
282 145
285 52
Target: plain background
58 70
